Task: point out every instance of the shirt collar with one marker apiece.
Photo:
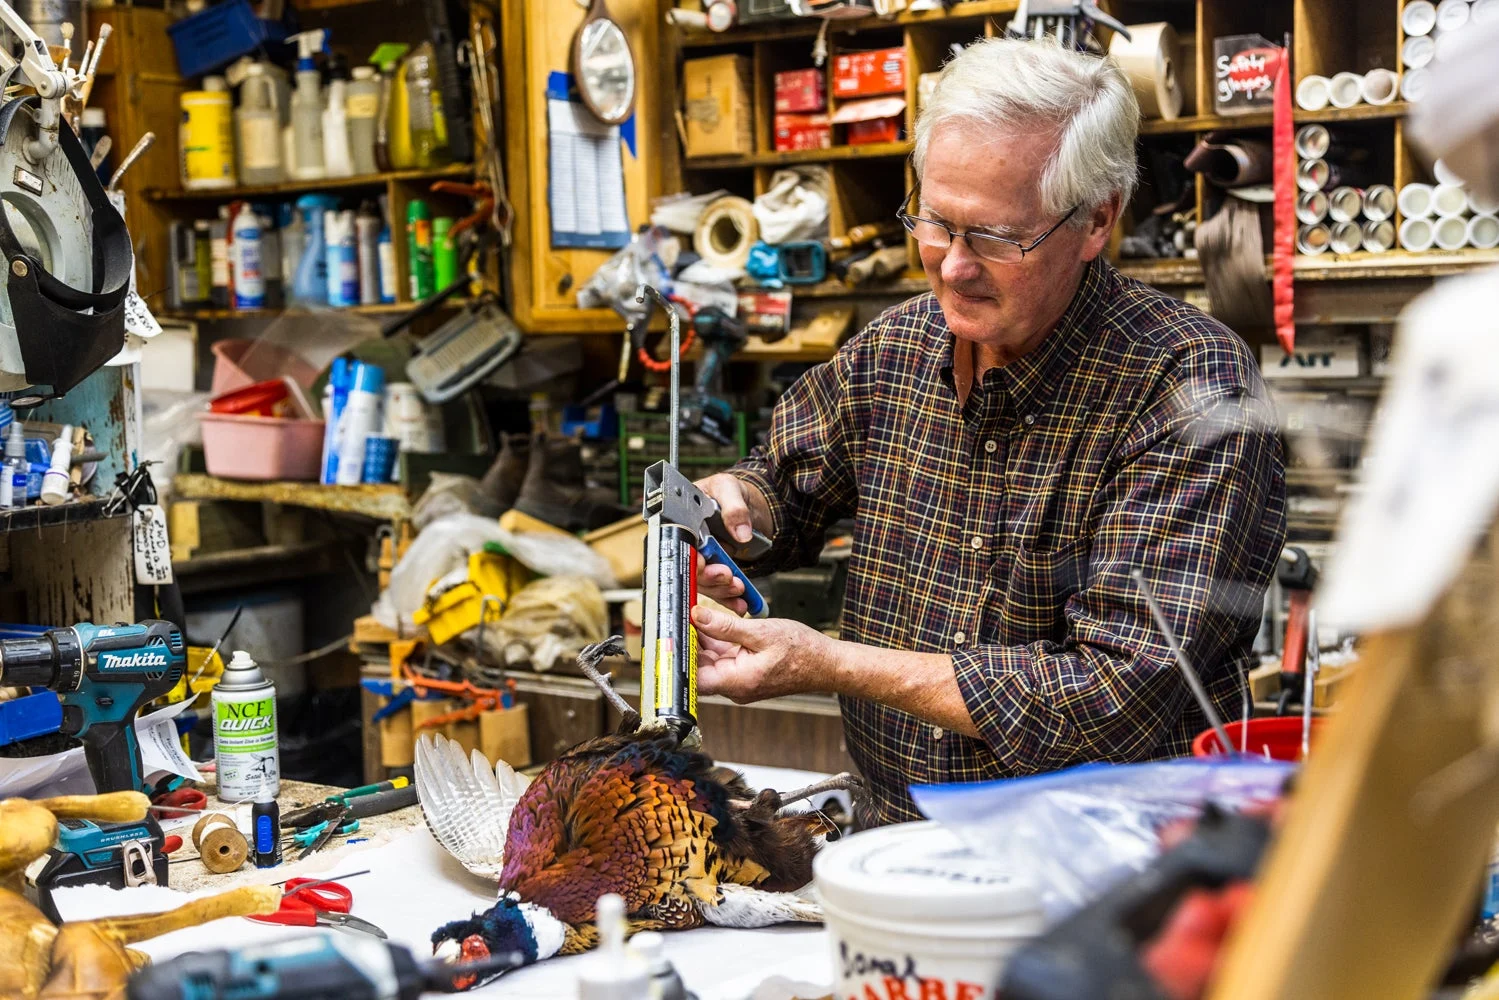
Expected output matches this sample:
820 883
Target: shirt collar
1032 378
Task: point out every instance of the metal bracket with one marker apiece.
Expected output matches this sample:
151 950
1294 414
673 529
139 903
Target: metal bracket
137 861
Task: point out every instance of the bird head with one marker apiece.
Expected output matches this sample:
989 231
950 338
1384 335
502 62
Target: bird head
510 927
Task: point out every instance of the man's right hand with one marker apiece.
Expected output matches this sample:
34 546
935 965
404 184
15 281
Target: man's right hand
743 509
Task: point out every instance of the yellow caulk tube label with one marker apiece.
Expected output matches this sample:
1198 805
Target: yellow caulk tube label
668 676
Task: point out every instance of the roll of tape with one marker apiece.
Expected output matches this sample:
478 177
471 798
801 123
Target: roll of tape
725 233
1148 57
221 846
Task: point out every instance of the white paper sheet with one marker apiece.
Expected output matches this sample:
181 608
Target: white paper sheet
1431 483
414 887
587 179
67 773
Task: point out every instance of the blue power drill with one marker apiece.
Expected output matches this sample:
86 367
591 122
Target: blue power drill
102 674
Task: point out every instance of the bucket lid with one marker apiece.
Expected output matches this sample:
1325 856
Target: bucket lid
920 871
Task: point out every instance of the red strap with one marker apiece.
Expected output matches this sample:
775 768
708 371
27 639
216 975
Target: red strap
1285 207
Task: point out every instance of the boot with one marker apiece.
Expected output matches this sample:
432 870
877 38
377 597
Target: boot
502 482
554 490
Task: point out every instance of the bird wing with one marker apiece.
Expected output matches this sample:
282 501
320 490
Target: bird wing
467 804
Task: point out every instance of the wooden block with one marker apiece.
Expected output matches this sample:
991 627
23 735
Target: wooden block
622 544
182 529
397 741
1264 682
369 632
465 733
514 520
1329 685
422 710
504 734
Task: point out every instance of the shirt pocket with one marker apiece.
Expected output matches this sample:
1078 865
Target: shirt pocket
1039 582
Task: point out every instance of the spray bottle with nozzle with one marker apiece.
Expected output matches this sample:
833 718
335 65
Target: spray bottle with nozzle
307 108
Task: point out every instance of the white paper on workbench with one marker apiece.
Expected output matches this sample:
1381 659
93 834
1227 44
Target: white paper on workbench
66 773
414 887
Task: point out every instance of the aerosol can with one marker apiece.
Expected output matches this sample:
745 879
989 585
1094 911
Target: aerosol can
244 731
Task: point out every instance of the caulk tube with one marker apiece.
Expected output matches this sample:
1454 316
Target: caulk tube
55 483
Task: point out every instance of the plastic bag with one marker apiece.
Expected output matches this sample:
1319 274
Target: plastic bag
449 494
169 423
547 622
553 554
1080 831
795 207
647 260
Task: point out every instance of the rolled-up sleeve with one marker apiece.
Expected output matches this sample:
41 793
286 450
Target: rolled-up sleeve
807 468
1187 506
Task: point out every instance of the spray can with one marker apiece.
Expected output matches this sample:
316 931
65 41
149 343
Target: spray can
360 418
244 731
245 259
385 251
367 232
444 253
335 397
419 249
218 257
343 258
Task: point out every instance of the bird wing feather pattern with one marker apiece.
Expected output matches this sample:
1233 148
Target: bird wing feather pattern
467 805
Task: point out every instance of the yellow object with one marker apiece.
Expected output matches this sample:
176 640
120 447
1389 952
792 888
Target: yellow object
398 127
206 137
622 544
517 523
458 609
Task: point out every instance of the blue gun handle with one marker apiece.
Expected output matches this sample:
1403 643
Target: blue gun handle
714 553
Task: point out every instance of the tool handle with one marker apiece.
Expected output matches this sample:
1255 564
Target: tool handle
375 789
714 553
366 806
113 756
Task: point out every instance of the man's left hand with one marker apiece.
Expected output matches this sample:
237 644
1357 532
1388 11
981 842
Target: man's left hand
750 659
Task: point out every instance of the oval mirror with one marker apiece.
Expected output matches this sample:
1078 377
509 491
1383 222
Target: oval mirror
603 66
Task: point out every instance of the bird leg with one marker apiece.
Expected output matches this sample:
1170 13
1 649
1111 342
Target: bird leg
589 660
844 782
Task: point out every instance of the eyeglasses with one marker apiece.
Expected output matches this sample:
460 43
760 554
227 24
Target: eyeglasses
929 232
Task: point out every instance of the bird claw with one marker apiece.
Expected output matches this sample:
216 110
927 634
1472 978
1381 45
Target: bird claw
845 782
449 951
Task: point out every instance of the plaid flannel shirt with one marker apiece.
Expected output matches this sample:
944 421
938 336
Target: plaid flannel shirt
1001 524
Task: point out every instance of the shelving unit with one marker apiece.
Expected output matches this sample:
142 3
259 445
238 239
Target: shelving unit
454 171
384 503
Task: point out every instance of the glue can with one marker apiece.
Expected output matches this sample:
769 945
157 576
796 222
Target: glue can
244 732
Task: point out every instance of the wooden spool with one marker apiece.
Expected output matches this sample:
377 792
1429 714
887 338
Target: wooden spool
221 846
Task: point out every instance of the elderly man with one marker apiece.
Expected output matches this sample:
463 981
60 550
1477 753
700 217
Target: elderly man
1011 446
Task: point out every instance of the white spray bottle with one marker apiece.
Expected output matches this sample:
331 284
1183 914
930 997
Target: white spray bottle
307 109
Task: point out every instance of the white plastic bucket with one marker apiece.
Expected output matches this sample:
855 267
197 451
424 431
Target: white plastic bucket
910 911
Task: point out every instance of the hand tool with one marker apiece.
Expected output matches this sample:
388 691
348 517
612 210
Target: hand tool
178 802
325 965
318 903
114 854
707 413
102 674
1298 577
681 521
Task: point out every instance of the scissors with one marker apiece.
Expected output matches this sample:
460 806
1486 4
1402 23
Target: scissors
318 903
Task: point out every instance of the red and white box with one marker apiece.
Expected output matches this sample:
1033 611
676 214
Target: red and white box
803 132
876 120
801 90
866 74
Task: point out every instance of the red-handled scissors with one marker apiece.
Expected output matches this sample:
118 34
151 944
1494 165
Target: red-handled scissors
314 903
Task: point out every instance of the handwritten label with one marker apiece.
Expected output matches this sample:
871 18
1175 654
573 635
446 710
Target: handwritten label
877 977
153 552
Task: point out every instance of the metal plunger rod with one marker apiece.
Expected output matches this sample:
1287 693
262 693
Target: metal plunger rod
672 321
1193 681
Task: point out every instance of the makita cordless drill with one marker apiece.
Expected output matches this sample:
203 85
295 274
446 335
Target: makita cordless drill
102 674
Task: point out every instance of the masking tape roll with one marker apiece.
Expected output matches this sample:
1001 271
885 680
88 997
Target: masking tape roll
1149 59
220 844
725 233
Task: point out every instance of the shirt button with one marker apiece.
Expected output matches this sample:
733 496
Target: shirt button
958 638
937 733
977 541
1030 418
991 446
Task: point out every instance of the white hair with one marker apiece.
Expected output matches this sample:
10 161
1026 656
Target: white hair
1001 85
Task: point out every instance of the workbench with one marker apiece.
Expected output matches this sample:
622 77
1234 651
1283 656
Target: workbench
414 886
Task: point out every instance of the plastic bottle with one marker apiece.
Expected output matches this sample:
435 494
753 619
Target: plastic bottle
666 983
270 258
343 258
94 129
17 468
363 109
360 418
336 155
265 828
244 731
367 232
205 136
311 284
428 143
307 109
55 482
247 273
258 118
419 249
203 257
388 58
189 250
386 251
335 397
293 238
218 256
444 253
613 972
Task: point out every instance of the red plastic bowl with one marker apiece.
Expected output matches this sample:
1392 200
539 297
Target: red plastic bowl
1282 734
258 400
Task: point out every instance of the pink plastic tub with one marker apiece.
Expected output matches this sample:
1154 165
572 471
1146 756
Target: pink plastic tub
238 447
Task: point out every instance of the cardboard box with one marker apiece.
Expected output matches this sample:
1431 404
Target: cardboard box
1244 68
865 74
872 120
801 90
719 112
874 130
1338 357
803 132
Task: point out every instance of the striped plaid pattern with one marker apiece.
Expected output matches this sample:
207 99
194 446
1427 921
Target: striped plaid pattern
1003 529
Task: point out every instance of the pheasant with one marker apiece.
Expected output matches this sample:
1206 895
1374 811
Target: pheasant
637 813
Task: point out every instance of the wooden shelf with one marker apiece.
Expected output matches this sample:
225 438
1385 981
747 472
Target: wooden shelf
43 516
903 287
1263 119
384 503
381 309
311 187
875 150
807 27
1328 267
